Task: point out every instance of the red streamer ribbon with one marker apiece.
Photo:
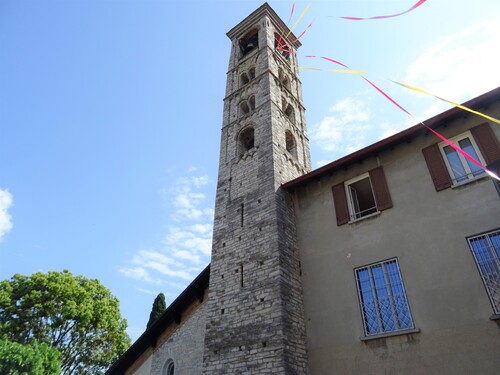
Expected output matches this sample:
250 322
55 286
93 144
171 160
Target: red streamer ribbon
444 139
420 2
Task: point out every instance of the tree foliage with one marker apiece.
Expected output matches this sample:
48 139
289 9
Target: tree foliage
32 358
76 315
159 307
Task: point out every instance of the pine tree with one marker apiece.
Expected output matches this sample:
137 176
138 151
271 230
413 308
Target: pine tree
159 307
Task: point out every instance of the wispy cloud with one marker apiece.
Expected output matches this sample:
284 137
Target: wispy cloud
186 247
345 129
459 66
5 218
456 67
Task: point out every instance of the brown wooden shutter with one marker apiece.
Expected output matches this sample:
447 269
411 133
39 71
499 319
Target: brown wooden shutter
380 188
340 203
437 167
487 142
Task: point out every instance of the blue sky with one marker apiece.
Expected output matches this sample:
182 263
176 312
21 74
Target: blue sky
110 117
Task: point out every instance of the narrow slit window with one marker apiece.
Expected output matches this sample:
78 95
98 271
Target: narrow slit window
241 275
242 213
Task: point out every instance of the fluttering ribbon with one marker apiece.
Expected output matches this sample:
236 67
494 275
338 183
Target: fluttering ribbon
444 139
284 46
347 71
298 20
420 2
447 101
291 13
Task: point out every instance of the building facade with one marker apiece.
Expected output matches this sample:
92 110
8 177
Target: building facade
385 261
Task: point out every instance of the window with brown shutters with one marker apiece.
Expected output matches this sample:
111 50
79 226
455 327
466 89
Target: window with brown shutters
437 168
361 197
487 142
447 167
340 202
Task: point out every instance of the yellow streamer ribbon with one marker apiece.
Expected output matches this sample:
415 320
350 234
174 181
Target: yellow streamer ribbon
447 101
298 19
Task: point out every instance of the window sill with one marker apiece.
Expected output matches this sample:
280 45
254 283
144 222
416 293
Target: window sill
495 317
390 334
370 216
470 181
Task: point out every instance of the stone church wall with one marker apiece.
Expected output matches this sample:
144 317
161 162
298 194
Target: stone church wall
184 347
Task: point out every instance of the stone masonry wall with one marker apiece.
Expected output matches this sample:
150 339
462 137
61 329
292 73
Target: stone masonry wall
254 321
184 347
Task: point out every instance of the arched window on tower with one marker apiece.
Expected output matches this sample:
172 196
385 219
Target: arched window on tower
286 82
290 144
251 103
251 73
244 108
168 368
244 79
290 113
246 140
249 42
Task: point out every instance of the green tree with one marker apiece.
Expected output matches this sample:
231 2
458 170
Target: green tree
159 307
32 358
76 315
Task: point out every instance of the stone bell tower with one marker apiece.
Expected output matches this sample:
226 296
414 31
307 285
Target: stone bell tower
255 319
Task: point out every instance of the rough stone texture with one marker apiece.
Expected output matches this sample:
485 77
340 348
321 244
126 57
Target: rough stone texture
255 312
184 347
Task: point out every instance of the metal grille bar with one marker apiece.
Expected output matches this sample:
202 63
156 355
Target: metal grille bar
486 251
383 299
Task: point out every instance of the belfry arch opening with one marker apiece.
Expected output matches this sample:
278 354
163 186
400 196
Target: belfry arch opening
249 42
281 45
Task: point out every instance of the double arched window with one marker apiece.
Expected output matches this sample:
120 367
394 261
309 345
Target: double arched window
246 77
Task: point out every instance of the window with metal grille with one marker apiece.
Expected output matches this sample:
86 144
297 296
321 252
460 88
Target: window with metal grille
382 298
486 251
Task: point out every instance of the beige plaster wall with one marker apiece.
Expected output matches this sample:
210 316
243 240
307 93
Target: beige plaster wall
426 230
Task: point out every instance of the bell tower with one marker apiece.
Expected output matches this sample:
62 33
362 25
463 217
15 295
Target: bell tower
255 319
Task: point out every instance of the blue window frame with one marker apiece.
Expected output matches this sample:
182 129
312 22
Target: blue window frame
486 251
383 299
